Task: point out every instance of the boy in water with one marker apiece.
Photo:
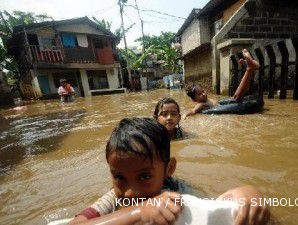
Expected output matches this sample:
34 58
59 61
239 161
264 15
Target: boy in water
66 91
138 154
199 96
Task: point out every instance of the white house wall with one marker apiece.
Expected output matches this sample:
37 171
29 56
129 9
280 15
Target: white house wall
79 28
205 31
113 80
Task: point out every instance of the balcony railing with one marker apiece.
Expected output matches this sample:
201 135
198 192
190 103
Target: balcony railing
79 54
52 54
57 54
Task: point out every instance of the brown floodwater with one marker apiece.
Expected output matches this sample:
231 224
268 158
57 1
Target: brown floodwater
52 161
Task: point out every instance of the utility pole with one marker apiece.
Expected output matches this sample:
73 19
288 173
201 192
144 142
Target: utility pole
143 39
120 3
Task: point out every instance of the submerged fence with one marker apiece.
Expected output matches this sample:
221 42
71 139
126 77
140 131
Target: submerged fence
278 69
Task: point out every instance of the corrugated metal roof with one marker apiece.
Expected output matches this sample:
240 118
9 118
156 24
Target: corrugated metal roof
68 21
212 5
188 20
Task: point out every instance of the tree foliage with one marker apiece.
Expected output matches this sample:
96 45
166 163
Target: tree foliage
159 49
7 22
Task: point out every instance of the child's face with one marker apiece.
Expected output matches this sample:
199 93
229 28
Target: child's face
169 116
201 96
136 177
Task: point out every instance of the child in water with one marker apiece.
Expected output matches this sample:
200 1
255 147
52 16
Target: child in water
167 113
66 91
138 154
199 96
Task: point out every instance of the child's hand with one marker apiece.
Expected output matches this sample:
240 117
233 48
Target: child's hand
248 214
164 213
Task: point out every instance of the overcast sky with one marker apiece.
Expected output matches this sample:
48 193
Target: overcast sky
154 23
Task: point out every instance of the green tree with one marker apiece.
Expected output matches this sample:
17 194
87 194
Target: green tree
161 48
7 22
103 23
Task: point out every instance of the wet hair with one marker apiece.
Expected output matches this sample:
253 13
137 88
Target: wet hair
140 136
192 90
63 80
161 103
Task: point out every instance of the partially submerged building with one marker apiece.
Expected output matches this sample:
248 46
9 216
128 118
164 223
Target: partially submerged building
5 94
211 35
76 49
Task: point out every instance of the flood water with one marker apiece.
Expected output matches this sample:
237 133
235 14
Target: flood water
52 161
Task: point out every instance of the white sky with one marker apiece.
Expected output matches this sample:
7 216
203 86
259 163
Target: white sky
109 10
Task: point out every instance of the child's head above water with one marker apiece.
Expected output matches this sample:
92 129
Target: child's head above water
138 154
167 113
196 93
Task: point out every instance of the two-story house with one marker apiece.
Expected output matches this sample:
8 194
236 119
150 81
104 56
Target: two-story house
195 36
76 49
211 35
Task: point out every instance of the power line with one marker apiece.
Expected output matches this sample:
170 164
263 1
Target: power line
127 17
104 10
155 11
152 21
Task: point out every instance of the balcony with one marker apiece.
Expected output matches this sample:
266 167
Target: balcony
57 54
79 55
52 55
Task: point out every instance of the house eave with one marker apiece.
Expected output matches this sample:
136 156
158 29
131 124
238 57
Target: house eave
202 47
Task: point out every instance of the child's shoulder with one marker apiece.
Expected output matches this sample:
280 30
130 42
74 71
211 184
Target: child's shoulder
106 203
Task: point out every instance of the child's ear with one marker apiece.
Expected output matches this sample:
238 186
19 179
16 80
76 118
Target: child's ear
171 167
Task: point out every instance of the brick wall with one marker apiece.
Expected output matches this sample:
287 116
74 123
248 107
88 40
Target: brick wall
267 24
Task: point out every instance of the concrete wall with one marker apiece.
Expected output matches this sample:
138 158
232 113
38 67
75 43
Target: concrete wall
227 49
112 75
204 31
190 38
197 66
196 34
113 80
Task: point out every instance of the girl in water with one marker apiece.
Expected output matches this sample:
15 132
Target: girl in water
167 113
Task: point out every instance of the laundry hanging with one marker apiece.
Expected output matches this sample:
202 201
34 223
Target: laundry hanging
82 40
68 40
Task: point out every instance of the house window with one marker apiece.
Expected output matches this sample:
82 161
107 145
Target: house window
218 25
97 79
47 43
101 43
69 40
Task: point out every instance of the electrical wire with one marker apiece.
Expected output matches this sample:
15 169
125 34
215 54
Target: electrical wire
155 11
